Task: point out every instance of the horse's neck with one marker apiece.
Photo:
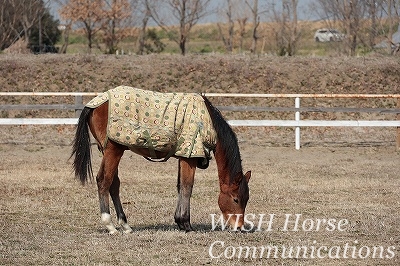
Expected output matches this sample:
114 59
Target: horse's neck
222 165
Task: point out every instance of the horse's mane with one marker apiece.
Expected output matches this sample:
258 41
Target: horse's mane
228 141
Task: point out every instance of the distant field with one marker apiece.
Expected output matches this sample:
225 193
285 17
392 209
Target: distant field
206 38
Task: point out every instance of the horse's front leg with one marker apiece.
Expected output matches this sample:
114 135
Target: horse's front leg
186 171
105 178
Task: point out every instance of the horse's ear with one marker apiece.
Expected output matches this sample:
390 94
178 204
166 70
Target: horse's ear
239 178
247 176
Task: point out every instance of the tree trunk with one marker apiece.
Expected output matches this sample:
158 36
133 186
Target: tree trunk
182 45
373 30
142 38
182 41
256 23
293 30
90 41
65 37
242 32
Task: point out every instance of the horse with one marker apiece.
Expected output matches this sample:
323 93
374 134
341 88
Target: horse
234 190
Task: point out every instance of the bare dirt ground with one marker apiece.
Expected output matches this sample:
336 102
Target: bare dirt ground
48 218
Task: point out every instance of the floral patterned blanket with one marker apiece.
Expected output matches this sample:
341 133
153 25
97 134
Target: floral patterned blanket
177 123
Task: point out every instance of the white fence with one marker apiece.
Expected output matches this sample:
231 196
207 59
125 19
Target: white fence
296 123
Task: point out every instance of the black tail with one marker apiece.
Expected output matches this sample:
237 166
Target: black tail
81 148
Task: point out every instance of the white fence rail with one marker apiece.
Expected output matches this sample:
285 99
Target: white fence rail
296 123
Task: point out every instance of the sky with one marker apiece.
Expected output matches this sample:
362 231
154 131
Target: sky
303 9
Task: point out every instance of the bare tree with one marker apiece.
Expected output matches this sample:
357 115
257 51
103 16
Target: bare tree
19 18
242 22
31 11
9 24
294 30
146 10
86 13
228 38
373 16
186 13
236 13
67 27
256 22
391 10
350 15
116 20
286 32
65 37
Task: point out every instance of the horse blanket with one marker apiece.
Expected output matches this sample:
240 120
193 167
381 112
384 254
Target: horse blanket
177 123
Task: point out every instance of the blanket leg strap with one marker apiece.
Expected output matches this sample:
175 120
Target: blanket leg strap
150 144
169 155
199 126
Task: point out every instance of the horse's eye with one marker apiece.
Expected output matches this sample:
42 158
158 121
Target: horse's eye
236 200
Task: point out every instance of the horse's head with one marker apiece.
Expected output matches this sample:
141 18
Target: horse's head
233 199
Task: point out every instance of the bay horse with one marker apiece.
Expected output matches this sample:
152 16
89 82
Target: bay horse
234 190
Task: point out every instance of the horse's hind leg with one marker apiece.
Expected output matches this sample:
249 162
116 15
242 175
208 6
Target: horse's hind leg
187 168
114 193
105 178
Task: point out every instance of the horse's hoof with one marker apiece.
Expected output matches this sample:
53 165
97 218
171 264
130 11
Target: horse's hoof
181 227
112 232
188 227
183 224
128 231
125 227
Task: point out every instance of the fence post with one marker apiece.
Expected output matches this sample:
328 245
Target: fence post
398 128
297 118
78 105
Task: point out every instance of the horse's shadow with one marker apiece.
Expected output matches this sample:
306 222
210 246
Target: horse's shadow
172 228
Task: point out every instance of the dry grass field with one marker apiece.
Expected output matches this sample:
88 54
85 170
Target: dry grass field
48 218
349 177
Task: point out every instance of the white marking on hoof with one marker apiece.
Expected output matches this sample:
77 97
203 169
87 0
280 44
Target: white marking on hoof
111 229
127 229
106 220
